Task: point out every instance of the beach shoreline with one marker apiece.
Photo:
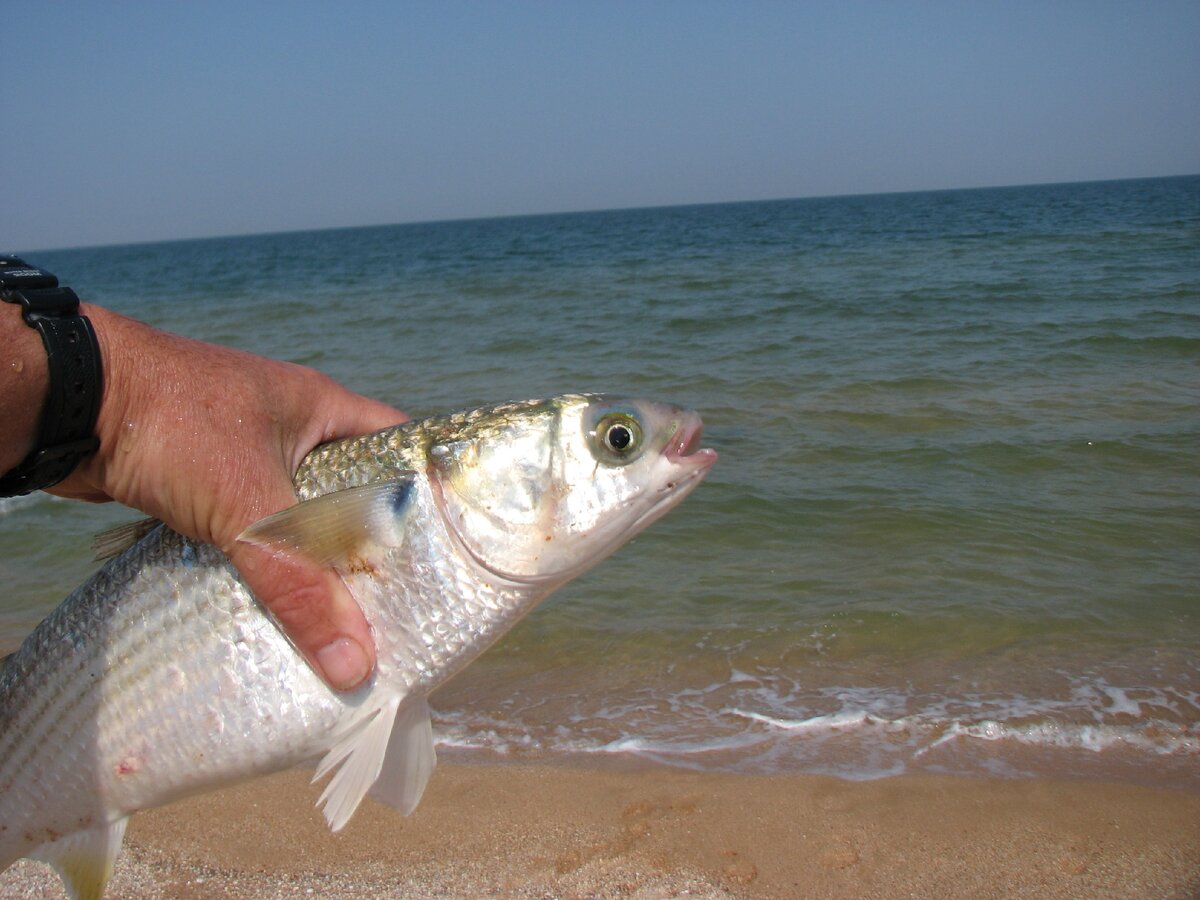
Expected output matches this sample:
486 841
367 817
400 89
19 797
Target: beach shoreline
546 831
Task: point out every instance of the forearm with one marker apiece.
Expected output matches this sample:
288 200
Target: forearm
206 438
149 381
24 377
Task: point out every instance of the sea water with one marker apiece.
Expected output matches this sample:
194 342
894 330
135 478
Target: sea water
955 526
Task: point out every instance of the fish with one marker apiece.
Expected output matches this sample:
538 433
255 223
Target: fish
163 676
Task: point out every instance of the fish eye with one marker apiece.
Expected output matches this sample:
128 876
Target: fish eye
619 437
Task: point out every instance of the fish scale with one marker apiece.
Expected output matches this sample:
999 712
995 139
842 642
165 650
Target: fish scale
163 676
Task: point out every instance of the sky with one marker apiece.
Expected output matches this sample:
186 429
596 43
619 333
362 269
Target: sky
138 121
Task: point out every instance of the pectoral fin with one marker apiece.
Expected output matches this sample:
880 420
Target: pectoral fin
85 859
338 526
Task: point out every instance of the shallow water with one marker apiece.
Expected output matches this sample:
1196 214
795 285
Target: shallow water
956 521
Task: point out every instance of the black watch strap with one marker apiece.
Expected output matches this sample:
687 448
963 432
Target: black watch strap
66 433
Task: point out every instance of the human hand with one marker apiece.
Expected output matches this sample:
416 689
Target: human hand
207 439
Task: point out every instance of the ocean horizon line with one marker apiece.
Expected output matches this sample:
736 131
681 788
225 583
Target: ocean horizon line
502 217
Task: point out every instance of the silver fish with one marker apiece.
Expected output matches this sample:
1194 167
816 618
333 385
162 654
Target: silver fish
163 676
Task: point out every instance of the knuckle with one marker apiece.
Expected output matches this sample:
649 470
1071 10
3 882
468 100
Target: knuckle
300 600
302 608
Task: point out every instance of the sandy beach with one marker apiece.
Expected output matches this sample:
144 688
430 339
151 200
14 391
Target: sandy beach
528 831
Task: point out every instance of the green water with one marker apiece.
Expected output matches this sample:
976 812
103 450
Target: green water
956 521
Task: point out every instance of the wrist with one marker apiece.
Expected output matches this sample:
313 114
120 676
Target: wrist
72 385
24 376
123 345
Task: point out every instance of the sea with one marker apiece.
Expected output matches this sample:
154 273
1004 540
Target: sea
955 524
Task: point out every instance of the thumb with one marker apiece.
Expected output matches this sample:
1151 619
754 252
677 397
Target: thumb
308 599
315 610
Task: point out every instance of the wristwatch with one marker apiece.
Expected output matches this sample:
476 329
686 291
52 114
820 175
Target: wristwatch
66 433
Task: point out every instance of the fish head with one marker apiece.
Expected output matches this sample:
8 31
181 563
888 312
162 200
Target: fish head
537 492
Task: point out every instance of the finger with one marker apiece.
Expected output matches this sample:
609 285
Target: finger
367 415
315 610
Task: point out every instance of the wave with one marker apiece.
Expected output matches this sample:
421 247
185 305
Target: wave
1153 346
748 724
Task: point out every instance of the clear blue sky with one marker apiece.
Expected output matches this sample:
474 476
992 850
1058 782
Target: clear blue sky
132 121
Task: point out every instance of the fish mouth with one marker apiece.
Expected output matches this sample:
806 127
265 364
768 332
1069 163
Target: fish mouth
684 445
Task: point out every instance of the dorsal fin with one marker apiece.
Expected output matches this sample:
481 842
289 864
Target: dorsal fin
115 541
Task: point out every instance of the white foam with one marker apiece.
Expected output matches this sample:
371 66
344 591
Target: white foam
1094 738
767 722
844 719
664 748
1121 703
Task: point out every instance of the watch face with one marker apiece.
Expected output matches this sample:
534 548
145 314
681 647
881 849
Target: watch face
15 274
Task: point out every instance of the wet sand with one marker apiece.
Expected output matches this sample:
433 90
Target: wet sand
529 831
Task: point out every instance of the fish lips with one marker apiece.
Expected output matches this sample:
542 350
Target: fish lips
683 447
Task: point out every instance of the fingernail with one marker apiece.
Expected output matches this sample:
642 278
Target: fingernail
344 663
